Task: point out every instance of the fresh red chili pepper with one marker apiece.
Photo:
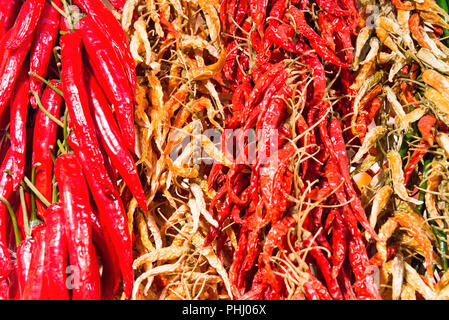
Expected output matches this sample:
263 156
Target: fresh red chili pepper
110 277
111 140
113 31
418 154
8 14
118 4
23 255
74 196
56 261
25 24
19 109
316 42
10 65
44 138
36 283
425 127
111 211
6 183
108 69
43 44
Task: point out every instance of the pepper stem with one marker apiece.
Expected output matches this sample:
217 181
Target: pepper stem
13 220
45 111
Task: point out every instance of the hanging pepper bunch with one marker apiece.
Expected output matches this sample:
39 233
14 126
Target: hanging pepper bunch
289 196
65 145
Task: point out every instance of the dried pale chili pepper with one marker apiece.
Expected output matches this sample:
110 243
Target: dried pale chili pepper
36 283
44 138
316 42
19 110
56 261
43 44
111 76
111 211
25 24
111 28
413 23
8 14
74 196
111 139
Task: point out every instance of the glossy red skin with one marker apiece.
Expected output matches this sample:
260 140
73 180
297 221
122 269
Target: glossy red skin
19 110
10 65
25 24
110 278
56 256
43 44
111 210
74 196
24 253
8 14
110 137
44 138
111 28
108 69
6 183
35 285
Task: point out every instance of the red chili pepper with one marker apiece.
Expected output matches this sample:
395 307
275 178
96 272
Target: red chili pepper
56 262
242 11
108 69
43 44
339 147
332 7
374 109
113 31
6 183
23 255
327 29
111 211
425 127
111 140
10 65
338 243
118 4
416 157
315 290
259 17
8 14
76 208
19 109
324 266
44 138
316 68
25 24
36 284
277 12
316 42
110 277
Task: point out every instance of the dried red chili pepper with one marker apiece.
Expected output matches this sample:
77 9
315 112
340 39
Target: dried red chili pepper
338 243
425 127
418 154
56 262
25 24
19 109
43 44
108 69
74 196
111 140
44 138
316 42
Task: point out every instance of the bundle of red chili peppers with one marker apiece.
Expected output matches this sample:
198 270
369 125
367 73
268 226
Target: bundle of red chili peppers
63 227
288 69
